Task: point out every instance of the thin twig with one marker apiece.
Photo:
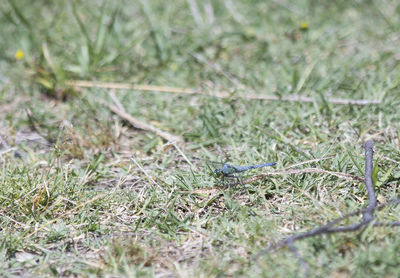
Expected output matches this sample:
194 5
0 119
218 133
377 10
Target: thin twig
15 221
305 99
328 228
217 94
308 161
301 171
141 125
367 213
144 171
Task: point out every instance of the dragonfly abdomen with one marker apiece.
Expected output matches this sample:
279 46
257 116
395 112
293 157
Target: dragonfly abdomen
263 165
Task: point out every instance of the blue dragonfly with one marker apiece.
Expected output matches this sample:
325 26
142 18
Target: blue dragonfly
228 170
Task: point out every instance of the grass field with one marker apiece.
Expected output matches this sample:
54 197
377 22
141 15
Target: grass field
83 193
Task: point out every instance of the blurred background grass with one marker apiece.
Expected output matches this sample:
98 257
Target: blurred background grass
85 194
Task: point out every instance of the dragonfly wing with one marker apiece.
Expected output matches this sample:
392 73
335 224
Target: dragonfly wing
262 165
242 168
215 162
245 168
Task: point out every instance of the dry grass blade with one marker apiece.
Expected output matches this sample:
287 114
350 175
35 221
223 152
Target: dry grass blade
302 171
128 86
308 161
299 98
218 94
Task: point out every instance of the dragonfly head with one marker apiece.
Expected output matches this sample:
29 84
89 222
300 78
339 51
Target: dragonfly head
218 172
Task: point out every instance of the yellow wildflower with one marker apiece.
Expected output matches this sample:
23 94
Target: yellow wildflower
19 55
304 25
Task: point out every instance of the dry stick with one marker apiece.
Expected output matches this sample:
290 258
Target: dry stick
128 86
120 107
219 94
329 228
141 125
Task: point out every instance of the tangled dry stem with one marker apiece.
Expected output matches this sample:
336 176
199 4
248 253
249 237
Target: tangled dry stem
367 217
